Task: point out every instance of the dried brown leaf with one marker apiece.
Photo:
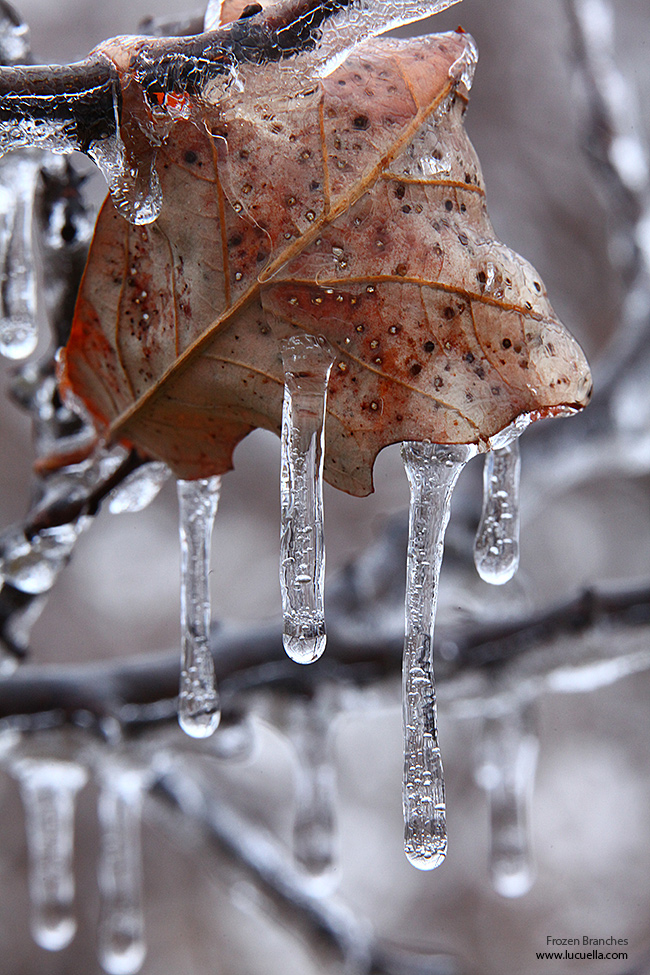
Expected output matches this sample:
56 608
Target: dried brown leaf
355 211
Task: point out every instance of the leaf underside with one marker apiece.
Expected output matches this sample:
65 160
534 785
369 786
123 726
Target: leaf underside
354 211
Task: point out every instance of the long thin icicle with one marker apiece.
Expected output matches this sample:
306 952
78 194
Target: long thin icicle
122 946
307 366
198 702
48 788
496 548
432 471
507 773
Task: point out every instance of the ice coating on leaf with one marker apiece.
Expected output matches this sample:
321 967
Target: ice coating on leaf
376 237
307 366
48 789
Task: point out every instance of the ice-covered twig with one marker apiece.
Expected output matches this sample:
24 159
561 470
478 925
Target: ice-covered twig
329 926
592 639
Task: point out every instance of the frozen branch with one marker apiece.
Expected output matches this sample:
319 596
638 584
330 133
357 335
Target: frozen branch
330 927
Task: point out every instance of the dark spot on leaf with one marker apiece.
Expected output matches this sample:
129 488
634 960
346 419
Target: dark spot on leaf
480 372
416 368
361 122
190 156
449 205
400 190
506 343
429 346
482 277
438 382
401 270
469 357
449 312
406 208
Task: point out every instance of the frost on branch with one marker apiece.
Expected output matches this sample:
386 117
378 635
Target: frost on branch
353 210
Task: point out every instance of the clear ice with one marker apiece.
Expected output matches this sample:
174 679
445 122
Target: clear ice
48 788
212 16
506 770
496 547
366 18
122 946
314 827
134 187
139 489
432 471
198 702
18 324
307 365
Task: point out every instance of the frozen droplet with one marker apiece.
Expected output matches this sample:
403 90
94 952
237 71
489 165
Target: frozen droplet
314 830
33 565
138 489
198 702
432 471
307 366
48 788
18 326
496 547
134 187
506 770
122 946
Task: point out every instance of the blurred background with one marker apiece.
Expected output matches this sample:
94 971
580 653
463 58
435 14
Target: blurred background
119 597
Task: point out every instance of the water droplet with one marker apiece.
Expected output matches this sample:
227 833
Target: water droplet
307 367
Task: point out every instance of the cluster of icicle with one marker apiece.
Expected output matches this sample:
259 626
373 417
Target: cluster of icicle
432 471
49 787
32 565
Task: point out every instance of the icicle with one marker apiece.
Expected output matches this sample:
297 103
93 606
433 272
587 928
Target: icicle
314 828
198 703
121 928
48 790
139 489
307 366
432 470
135 188
507 771
18 326
496 548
